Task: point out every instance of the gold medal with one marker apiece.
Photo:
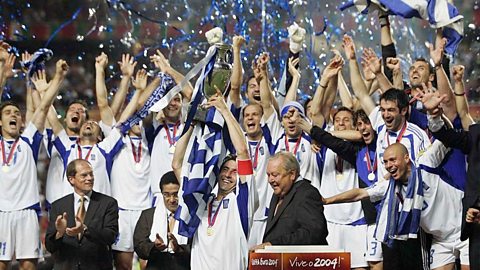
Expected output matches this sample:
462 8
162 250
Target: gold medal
339 176
138 167
5 168
171 150
209 231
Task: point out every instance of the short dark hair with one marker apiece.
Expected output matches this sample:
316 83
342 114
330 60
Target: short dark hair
360 115
8 103
168 178
305 104
430 68
72 166
396 95
251 104
227 159
81 102
343 109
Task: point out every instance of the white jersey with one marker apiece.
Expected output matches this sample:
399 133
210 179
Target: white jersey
131 167
442 206
55 181
19 178
410 135
226 247
309 161
259 154
99 155
162 151
333 183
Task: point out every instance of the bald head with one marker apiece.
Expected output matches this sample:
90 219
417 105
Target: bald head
397 162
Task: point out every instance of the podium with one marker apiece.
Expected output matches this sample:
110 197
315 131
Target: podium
299 258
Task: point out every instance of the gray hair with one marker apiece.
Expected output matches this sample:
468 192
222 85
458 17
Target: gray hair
289 163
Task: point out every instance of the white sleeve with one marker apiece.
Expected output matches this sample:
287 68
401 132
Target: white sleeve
275 127
377 191
376 118
106 129
111 141
434 155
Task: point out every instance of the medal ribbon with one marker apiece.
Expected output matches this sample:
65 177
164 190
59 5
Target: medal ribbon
171 139
287 146
211 220
371 167
79 150
255 157
400 134
137 154
7 160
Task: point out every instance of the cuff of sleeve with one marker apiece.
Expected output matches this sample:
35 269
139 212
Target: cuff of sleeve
245 167
434 123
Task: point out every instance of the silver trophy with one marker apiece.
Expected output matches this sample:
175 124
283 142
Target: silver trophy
218 79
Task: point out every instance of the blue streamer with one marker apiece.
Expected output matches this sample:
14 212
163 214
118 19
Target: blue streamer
75 15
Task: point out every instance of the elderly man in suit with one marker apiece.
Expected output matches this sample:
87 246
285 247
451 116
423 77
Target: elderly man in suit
83 225
296 212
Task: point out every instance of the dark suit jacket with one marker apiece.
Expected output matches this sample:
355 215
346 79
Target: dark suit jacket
146 250
299 219
469 143
93 250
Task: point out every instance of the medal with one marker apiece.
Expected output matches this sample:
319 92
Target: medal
287 146
371 166
339 176
8 160
171 138
209 231
138 167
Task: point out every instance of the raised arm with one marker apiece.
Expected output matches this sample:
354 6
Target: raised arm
127 66
164 65
345 95
295 73
140 84
443 84
237 71
260 68
331 75
375 65
393 64
180 150
460 97
38 118
353 195
7 61
106 113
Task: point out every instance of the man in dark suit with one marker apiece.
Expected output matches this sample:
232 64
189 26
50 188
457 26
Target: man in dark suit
296 212
162 246
83 225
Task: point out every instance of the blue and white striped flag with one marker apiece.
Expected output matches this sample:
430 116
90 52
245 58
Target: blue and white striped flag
439 13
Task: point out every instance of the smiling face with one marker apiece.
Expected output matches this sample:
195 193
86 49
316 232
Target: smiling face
90 130
280 179
252 115
391 114
343 121
75 117
173 109
227 178
11 121
82 181
397 162
253 90
366 129
170 196
419 73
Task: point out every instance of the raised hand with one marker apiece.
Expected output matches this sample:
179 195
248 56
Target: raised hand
140 81
8 66
160 62
262 61
127 65
437 53
332 69
373 62
74 231
217 101
430 98
61 68
458 71
291 67
238 41
393 63
101 61
367 73
26 56
39 79
349 47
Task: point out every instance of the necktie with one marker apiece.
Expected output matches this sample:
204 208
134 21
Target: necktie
171 222
81 213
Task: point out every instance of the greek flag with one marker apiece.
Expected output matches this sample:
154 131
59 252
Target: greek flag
439 13
206 151
166 84
401 224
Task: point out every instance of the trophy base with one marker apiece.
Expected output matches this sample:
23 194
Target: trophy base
200 114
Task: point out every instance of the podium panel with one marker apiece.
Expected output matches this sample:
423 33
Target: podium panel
299 261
